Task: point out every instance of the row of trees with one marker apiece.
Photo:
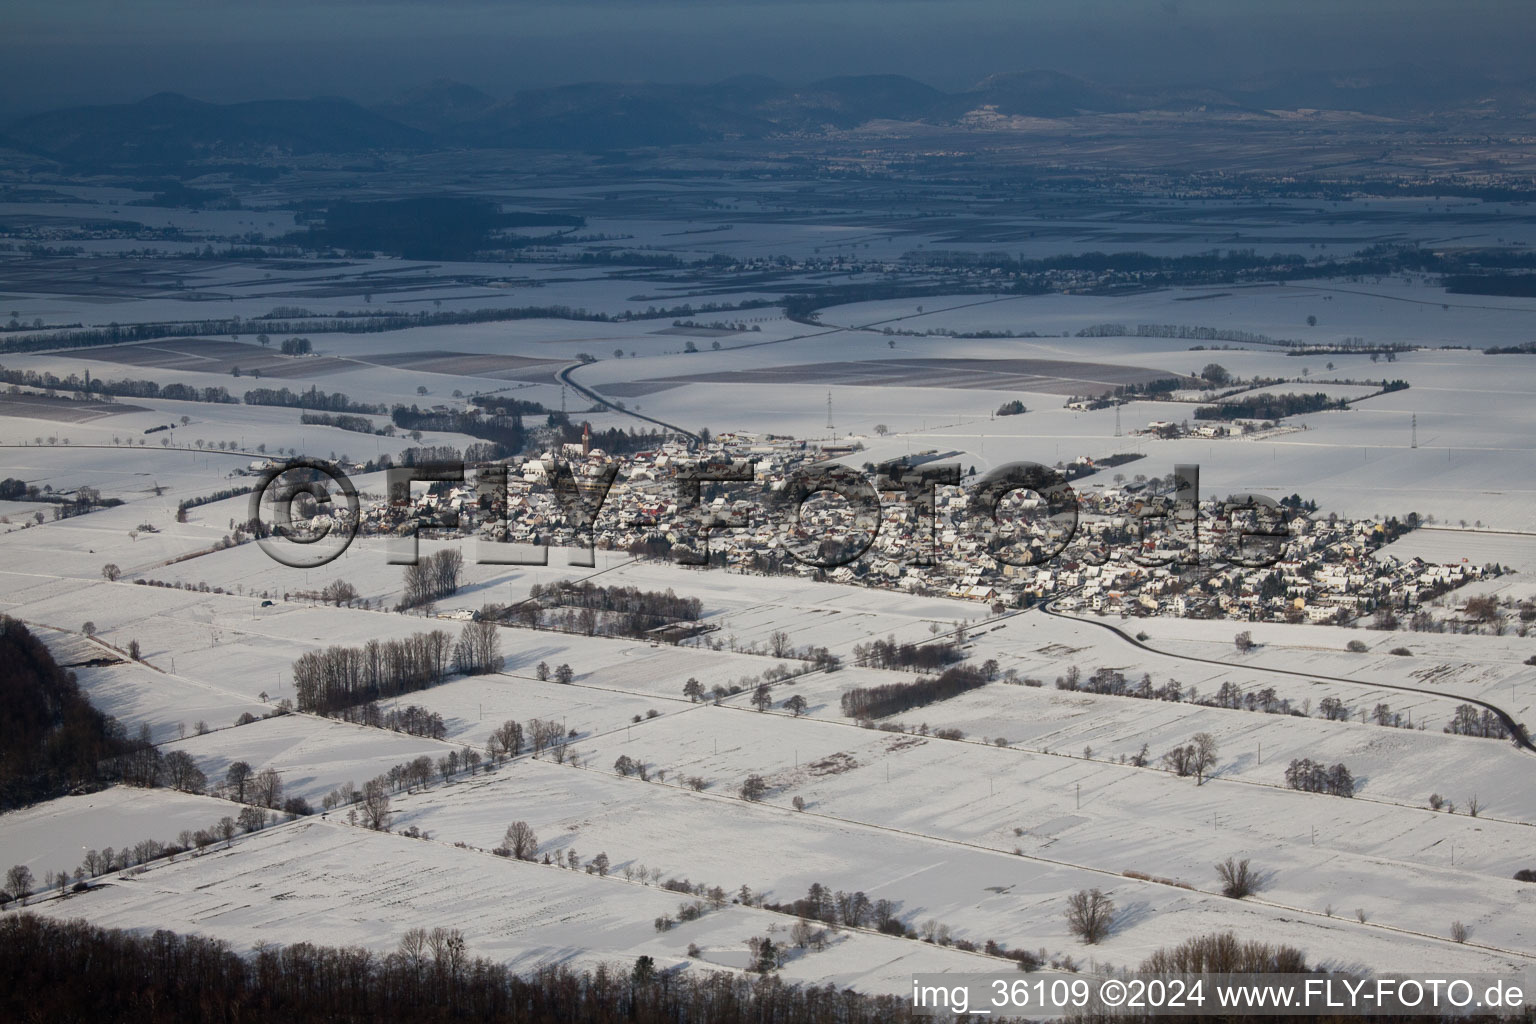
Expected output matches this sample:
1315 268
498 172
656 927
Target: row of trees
507 431
370 805
314 398
330 680
121 388
20 883
888 653
620 611
343 421
1468 720
868 702
1269 407
414 720
432 577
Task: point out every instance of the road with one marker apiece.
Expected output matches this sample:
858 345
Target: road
1521 739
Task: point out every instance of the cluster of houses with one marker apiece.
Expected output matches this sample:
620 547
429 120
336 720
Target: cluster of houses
1323 570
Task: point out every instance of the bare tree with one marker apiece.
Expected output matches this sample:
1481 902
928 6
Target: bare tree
267 788
18 881
478 650
521 840
508 737
1237 878
237 779
1204 759
801 933
447 564
754 788
376 805
182 772
1089 913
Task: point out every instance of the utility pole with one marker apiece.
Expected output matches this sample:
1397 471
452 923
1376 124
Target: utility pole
1415 428
1117 419
831 431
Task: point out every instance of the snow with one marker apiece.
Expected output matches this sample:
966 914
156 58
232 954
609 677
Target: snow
987 839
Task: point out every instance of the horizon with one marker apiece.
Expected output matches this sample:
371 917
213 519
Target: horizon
223 53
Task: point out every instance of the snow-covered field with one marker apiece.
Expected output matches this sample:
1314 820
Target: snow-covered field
988 838
339 885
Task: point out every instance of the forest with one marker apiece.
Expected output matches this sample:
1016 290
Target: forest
52 739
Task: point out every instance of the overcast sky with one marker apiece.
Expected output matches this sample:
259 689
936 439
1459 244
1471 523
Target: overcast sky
64 52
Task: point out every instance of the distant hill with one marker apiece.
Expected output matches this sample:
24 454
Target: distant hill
168 129
430 107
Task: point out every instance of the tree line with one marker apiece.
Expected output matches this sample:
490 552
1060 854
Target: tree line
618 611
504 430
120 388
342 322
432 577
1467 720
71 970
314 398
1269 407
868 702
888 653
20 884
330 680
342 421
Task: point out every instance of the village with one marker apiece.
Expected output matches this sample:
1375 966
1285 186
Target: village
1118 561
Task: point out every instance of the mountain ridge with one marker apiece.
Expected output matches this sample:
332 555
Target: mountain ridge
168 128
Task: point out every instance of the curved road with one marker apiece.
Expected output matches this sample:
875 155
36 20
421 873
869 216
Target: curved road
1516 730
564 374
